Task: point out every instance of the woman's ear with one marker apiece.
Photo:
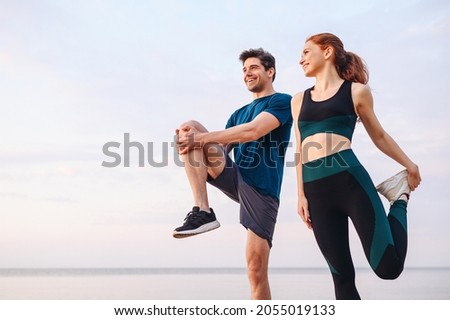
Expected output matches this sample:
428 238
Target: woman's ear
328 52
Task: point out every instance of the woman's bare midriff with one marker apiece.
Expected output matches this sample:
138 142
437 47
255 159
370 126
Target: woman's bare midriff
323 144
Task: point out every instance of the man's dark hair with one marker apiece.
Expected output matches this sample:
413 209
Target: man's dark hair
267 60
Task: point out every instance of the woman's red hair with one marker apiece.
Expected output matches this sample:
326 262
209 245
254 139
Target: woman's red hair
349 65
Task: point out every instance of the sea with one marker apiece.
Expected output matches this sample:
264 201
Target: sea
211 284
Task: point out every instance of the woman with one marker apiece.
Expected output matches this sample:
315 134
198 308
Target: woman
332 184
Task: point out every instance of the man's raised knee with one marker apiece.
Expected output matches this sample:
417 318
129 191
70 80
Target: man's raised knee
193 124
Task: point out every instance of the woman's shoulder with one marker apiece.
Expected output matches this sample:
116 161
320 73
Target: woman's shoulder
360 88
296 103
362 97
297 97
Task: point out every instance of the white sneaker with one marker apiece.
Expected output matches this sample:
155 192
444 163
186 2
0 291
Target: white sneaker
394 187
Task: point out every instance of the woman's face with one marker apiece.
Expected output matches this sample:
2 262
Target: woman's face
312 59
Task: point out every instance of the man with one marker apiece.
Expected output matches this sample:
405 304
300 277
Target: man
259 133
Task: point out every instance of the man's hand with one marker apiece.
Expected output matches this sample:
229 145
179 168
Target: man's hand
188 138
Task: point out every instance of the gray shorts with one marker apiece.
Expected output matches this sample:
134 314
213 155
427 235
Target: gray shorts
257 212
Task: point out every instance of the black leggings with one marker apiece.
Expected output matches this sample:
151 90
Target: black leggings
337 188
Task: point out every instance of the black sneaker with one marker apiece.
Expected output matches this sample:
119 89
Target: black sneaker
197 222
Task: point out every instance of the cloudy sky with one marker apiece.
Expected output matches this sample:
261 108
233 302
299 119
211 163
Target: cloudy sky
75 76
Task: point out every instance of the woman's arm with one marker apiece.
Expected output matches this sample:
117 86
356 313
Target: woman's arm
363 100
302 207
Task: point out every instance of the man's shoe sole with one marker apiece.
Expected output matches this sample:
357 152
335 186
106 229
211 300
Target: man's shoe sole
202 229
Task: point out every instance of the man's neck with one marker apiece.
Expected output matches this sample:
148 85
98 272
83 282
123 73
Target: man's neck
263 93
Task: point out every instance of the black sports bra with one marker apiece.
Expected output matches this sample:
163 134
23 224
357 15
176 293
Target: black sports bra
335 115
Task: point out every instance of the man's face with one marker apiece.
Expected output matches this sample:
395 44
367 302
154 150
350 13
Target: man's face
255 76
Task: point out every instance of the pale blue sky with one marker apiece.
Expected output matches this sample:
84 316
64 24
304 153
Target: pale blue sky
76 75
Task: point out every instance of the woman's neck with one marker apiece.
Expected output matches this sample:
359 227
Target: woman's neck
327 81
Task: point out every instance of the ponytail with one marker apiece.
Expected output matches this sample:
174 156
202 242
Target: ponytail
349 65
354 69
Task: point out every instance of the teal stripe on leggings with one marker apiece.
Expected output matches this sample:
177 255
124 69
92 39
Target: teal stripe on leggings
327 166
382 236
397 211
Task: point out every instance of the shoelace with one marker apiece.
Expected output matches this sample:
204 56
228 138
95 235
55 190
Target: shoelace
192 215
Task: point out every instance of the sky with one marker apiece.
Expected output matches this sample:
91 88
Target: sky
78 75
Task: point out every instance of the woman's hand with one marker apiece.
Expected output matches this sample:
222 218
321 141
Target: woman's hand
303 211
414 178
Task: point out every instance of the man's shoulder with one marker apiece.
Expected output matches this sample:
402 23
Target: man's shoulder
280 100
277 98
281 97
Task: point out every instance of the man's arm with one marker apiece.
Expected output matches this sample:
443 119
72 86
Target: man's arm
263 123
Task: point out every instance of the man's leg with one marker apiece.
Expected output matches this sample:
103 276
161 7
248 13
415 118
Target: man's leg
201 162
198 164
257 253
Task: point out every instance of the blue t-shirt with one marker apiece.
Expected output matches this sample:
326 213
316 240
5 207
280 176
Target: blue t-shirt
261 162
